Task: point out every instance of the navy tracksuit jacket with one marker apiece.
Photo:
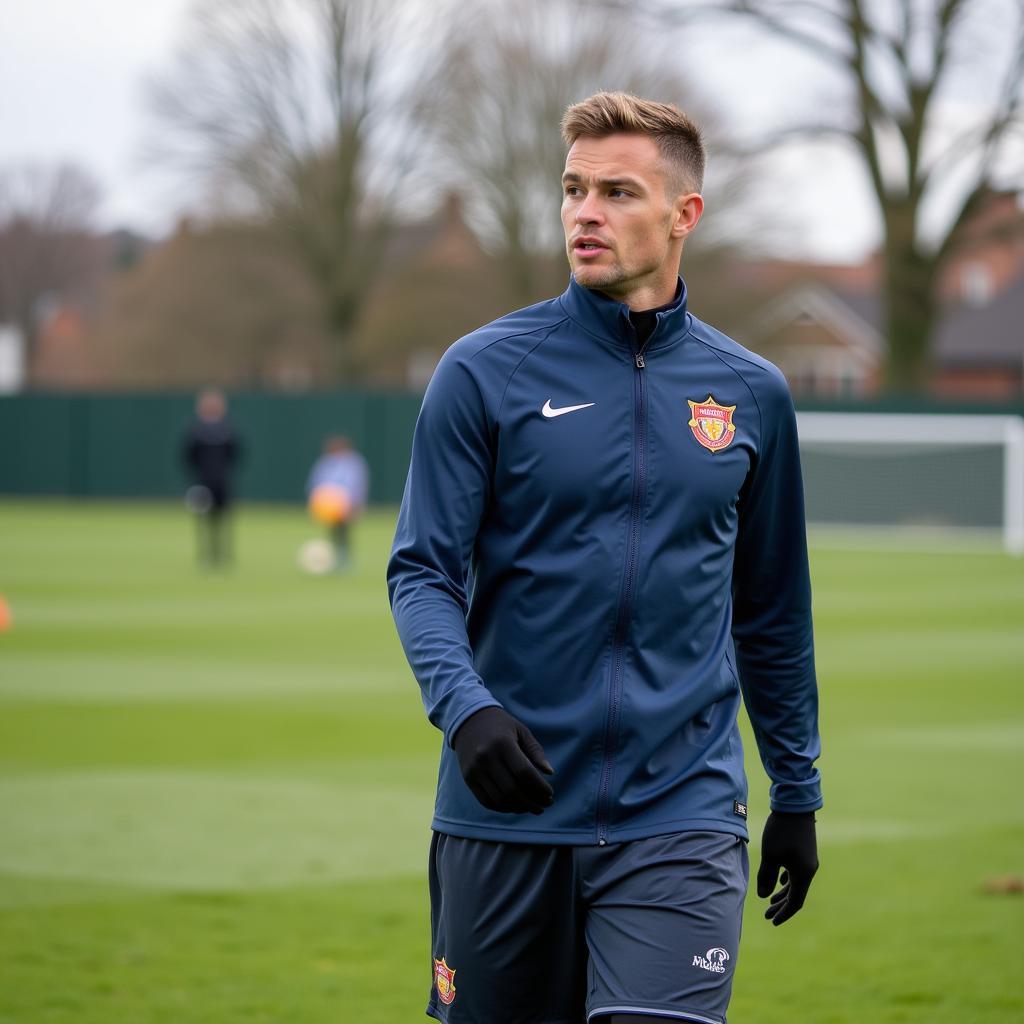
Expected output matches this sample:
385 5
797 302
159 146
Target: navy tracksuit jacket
609 543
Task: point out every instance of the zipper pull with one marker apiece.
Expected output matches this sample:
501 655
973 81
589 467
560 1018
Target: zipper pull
640 364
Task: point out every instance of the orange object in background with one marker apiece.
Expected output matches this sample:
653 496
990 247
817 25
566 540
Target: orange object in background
6 619
330 504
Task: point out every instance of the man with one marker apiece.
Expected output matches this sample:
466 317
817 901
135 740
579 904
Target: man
601 545
211 450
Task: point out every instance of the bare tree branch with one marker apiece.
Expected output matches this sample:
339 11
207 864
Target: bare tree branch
1010 103
773 18
309 115
902 60
512 73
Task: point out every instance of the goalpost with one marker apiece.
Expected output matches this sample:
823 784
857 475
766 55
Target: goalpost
910 470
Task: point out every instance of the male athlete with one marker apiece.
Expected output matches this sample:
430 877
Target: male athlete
211 451
600 548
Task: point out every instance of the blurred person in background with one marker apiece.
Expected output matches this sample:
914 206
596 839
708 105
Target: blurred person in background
337 490
600 548
211 451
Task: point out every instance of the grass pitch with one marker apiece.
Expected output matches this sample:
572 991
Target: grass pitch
215 788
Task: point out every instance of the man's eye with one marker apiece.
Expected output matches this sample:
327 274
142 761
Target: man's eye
618 192
571 190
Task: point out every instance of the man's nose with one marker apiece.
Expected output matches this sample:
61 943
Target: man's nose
589 211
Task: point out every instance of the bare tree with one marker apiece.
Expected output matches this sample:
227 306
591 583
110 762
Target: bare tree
217 304
306 114
47 243
897 63
512 71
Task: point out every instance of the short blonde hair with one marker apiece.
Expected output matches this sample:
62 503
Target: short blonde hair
679 139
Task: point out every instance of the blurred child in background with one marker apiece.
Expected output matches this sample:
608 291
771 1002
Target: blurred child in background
337 488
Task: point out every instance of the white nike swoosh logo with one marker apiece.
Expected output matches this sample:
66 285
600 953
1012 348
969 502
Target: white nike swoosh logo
550 413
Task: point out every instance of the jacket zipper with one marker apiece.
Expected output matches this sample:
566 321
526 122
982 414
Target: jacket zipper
626 603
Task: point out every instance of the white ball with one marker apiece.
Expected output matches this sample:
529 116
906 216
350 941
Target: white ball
316 556
198 499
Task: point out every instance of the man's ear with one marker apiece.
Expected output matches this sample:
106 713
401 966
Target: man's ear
686 211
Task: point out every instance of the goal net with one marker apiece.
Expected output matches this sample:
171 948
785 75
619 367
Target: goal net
915 471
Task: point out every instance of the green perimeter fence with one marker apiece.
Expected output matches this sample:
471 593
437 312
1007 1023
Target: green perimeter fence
130 445
86 445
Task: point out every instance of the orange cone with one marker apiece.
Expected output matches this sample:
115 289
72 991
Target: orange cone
6 619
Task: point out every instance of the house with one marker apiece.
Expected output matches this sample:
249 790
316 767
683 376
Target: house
439 284
824 327
62 355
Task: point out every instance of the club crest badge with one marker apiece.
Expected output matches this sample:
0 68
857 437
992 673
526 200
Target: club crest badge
712 423
444 978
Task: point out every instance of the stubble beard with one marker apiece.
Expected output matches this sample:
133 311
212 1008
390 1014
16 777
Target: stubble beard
599 278
616 278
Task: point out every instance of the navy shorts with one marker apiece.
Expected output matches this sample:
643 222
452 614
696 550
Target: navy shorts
526 934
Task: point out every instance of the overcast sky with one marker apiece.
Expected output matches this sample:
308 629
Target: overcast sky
72 75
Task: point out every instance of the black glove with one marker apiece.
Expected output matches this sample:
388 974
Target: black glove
788 842
499 758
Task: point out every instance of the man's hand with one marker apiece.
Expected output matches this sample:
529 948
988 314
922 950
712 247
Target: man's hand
789 843
499 758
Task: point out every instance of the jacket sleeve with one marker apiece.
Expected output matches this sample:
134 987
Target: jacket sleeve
772 611
446 494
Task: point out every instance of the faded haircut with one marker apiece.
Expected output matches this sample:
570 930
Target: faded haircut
679 139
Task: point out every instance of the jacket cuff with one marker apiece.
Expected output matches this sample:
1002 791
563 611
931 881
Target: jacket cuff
470 709
796 797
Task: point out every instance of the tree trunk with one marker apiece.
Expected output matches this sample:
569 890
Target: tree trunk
909 300
343 308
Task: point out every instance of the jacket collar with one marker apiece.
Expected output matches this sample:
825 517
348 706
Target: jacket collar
608 318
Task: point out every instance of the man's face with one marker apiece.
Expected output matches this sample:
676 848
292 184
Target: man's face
620 215
211 406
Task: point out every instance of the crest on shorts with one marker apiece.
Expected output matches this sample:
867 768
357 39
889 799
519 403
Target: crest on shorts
444 978
712 423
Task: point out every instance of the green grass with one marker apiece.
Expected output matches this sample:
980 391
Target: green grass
215 789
